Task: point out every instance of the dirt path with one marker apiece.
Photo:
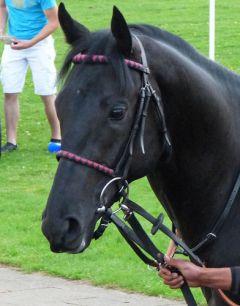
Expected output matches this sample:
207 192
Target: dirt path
20 289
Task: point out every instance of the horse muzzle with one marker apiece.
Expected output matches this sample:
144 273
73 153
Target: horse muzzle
65 235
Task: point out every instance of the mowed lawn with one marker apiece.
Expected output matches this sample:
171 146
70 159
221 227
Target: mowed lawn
26 175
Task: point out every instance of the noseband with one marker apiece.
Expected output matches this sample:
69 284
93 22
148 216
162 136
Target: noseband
85 162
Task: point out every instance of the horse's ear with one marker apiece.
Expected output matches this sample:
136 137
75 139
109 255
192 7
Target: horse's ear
72 29
121 32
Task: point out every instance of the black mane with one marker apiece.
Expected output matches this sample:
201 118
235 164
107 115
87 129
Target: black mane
215 69
102 42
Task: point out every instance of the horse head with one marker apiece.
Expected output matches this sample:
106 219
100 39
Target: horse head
105 138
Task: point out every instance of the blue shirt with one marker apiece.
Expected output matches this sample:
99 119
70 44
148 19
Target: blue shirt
26 17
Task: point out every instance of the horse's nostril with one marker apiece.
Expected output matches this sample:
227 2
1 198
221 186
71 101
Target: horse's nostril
64 234
73 228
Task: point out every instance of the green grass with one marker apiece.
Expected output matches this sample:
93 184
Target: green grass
26 176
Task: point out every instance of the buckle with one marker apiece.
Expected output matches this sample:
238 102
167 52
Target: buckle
211 236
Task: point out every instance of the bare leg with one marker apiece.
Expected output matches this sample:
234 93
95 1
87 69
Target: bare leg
11 107
49 104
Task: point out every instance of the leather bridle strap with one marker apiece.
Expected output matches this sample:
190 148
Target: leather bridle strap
158 225
212 235
159 257
138 240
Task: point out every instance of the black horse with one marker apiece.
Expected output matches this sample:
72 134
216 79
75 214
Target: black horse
188 147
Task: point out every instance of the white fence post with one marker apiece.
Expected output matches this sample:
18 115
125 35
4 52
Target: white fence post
212 29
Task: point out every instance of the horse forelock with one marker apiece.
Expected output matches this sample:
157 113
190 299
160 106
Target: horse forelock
100 43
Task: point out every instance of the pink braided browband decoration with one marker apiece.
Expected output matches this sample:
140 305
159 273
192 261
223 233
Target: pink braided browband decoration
85 162
97 58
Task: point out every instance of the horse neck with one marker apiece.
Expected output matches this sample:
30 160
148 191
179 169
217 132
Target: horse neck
196 182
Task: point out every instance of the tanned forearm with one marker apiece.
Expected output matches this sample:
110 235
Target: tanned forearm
3 17
215 278
51 26
195 276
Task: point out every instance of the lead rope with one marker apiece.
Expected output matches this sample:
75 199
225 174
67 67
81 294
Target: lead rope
226 298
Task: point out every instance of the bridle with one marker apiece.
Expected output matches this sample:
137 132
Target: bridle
147 94
136 236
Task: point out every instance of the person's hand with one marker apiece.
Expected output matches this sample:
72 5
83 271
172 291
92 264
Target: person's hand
189 273
21 44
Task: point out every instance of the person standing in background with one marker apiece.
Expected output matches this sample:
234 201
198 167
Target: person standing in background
30 25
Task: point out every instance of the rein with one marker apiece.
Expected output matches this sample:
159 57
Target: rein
134 234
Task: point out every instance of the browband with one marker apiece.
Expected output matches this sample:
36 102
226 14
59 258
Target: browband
98 58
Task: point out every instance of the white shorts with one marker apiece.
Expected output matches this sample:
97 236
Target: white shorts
40 58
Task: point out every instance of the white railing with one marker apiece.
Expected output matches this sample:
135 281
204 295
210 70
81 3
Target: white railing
212 10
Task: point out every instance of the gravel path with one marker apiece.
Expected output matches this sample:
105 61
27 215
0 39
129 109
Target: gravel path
21 289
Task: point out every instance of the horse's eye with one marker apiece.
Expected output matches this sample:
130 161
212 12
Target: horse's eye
117 113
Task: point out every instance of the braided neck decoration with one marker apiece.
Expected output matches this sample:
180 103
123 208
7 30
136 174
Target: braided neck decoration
97 58
84 161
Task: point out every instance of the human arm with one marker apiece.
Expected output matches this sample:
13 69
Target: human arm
220 278
3 17
49 28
